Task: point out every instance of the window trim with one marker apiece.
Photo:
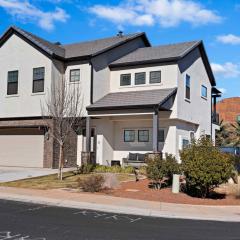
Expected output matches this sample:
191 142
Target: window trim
145 130
125 74
72 70
135 78
185 88
204 97
154 72
125 130
13 94
40 92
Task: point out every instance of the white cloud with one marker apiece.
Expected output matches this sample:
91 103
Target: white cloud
168 13
223 90
25 11
226 70
229 39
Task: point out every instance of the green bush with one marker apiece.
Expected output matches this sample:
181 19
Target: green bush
171 166
113 169
92 183
86 168
143 170
205 167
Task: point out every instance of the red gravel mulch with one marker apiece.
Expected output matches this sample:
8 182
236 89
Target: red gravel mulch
128 190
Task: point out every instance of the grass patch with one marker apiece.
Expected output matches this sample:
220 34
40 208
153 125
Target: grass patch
70 180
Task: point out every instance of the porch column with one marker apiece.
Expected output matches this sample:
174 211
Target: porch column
88 134
155 130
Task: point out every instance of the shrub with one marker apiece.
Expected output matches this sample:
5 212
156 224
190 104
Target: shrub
128 170
113 169
205 167
143 170
92 183
86 168
171 166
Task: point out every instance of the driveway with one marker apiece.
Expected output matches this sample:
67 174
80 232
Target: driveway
8 174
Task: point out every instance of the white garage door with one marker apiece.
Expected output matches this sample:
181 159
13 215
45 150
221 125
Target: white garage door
21 149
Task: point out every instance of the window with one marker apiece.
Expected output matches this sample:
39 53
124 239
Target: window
12 84
192 136
38 79
75 75
129 135
187 87
161 136
204 91
140 78
185 143
155 77
125 79
143 135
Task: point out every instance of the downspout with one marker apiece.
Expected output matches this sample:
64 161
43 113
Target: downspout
91 83
211 114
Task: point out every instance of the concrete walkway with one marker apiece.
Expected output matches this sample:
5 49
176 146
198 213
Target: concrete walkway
97 202
8 174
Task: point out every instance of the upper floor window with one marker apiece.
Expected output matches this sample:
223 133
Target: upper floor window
204 91
143 135
125 79
155 77
12 83
187 87
75 75
38 79
129 135
161 135
140 78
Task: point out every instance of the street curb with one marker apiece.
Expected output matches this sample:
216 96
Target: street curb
109 208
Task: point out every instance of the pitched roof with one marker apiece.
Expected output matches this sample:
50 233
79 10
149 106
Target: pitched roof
82 49
158 53
133 99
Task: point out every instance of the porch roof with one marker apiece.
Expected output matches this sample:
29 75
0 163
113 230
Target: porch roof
133 99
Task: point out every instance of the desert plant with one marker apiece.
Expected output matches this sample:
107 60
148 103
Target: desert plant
92 183
205 167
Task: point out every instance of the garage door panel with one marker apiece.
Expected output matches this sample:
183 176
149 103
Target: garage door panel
21 150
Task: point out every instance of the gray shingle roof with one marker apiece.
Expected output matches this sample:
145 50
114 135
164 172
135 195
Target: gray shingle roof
96 46
158 53
81 49
133 99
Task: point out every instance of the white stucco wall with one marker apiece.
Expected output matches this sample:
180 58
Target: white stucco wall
198 109
16 54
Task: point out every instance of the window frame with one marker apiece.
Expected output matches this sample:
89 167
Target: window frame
151 72
138 73
143 130
205 88
124 136
185 145
16 82
187 87
40 79
70 75
130 80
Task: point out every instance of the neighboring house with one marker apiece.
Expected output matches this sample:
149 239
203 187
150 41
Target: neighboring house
137 98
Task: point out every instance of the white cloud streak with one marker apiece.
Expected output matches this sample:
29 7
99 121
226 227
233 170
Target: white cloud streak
226 70
167 13
229 39
27 12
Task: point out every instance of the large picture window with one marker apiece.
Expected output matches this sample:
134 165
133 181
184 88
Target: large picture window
12 83
125 79
187 87
38 79
140 78
143 135
129 135
155 77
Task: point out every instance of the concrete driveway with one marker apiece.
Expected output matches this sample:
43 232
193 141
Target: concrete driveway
8 174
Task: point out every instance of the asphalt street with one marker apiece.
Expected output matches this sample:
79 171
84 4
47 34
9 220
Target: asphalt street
24 221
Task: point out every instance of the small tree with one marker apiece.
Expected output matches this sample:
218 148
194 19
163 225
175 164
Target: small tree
64 106
205 167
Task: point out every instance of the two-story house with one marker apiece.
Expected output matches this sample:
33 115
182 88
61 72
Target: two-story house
137 98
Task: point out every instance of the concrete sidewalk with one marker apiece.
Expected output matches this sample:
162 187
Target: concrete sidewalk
97 202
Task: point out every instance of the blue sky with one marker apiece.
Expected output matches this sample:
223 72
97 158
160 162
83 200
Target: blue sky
216 22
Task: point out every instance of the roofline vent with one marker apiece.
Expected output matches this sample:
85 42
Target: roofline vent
120 34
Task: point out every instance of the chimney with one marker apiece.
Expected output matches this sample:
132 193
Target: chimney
120 34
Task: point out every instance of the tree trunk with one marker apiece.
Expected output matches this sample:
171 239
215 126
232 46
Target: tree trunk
60 163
